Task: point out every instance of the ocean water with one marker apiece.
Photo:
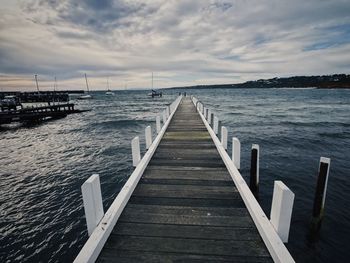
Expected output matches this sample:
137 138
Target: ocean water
42 167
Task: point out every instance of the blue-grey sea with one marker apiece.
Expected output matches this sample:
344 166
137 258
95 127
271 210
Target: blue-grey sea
43 166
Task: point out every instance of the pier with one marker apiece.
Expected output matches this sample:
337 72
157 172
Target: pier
42 96
38 113
185 201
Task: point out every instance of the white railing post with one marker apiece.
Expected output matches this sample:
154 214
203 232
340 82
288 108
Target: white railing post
164 117
209 117
158 123
224 134
148 137
92 199
205 113
281 209
167 112
135 149
216 125
236 152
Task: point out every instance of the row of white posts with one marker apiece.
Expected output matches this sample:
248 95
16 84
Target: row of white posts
135 143
283 197
91 189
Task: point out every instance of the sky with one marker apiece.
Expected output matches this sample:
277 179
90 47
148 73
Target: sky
182 42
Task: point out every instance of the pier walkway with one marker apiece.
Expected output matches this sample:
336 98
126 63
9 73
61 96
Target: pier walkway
185 206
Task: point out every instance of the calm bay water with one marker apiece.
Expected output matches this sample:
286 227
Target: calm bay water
44 166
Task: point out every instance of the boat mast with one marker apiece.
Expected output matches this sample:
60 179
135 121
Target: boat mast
87 85
55 85
36 80
152 80
108 84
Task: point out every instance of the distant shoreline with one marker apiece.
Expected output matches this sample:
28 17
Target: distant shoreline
336 81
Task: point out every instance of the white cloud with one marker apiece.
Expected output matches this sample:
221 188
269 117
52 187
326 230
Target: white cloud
184 42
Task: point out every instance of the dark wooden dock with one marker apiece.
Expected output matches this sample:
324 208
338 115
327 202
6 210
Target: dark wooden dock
39 113
186 206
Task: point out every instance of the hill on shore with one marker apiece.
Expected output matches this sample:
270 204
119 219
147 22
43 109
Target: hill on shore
336 81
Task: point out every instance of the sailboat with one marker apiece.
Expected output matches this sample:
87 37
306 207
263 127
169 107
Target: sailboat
154 93
87 95
109 92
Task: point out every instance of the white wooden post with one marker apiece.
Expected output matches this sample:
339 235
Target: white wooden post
148 137
205 113
158 124
224 134
208 117
281 209
236 152
167 112
164 117
216 125
92 200
135 149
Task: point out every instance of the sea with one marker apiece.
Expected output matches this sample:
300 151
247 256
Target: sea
42 166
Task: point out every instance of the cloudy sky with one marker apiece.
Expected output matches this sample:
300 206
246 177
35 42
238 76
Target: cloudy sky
184 42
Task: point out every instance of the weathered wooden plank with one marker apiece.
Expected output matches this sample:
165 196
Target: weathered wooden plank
184 210
186 162
189 168
157 218
161 172
193 202
131 256
186 231
186 245
186 191
186 182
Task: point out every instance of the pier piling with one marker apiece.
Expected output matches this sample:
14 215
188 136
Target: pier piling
158 123
320 194
135 148
224 134
167 112
148 136
216 125
281 209
92 199
254 171
164 117
236 152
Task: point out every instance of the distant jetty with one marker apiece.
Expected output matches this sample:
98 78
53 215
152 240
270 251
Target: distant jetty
13 110
42 96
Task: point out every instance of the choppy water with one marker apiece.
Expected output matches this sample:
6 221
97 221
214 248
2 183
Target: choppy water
43 166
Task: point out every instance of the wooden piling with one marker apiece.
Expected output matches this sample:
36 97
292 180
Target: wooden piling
254 171
135 149
216 125
92 199
236 152
320 194
158 123
164 117
281 209
148 137
224 134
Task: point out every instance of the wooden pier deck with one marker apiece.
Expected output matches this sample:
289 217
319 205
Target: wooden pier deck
186 206
38 113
